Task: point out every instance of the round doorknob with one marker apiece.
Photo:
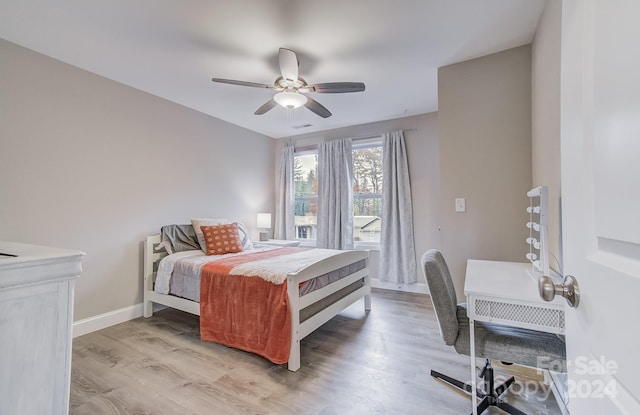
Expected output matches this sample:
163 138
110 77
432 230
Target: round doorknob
569 289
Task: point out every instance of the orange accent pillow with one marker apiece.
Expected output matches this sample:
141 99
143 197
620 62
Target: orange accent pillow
222 239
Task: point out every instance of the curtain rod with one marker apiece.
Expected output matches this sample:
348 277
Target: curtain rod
367 137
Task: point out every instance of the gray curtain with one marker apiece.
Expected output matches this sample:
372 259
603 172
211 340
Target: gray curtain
285 217
397 250
335 195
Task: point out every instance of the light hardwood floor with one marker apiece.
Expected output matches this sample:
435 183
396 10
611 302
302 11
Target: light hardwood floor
357 363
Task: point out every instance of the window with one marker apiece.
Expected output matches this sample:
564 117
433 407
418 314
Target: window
367 192
305 179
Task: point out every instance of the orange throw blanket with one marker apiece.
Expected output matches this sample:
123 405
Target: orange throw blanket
247 313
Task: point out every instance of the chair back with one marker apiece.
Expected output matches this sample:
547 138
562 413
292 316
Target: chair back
443 294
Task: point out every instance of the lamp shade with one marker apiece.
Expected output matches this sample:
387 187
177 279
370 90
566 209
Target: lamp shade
264 221
290 99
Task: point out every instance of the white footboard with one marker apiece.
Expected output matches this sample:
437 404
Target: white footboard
300 330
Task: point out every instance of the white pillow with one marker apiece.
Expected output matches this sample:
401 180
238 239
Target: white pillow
197 223
244 236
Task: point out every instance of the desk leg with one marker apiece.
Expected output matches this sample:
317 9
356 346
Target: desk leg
472 340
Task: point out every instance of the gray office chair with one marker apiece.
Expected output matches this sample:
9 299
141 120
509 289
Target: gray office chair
492 341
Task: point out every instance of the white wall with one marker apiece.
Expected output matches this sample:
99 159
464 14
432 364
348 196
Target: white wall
545 117
485 156
421 138
90 164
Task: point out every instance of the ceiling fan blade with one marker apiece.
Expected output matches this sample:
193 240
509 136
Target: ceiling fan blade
336 87
288 64
242 83
265 107
317 108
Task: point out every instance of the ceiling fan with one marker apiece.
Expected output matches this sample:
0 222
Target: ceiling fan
291 87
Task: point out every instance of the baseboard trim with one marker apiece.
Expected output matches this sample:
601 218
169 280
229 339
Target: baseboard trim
101 321
111 318
419 287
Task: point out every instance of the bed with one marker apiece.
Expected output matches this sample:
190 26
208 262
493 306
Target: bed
313 294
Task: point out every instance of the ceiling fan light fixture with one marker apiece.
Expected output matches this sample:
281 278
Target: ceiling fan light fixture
290 99
290 87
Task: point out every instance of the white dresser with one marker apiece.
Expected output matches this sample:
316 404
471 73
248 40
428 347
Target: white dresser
36 315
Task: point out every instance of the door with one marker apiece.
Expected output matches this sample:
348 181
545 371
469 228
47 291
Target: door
600 129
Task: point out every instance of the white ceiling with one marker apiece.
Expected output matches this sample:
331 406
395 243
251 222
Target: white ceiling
172 49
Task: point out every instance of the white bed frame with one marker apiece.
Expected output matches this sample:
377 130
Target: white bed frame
299 330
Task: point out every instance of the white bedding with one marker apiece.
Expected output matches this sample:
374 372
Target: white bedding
179 273
276 269
189 264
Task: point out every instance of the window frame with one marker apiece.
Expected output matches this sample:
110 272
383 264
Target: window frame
356 145
303 151
362 144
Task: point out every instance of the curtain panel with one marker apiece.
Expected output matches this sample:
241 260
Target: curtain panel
335 195
285 216
397 249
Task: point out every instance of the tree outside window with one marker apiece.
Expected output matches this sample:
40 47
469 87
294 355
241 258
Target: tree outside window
305 179
367 192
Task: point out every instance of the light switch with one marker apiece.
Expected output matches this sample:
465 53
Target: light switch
461 204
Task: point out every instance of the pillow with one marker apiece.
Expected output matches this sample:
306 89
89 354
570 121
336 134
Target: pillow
178 238
244 233
222 239
244 237
197 223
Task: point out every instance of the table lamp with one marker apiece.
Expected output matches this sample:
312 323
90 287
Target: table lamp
264 224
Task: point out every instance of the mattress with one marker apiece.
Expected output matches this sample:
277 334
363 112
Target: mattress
179 274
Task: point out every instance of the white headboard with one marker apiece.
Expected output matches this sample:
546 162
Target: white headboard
152 257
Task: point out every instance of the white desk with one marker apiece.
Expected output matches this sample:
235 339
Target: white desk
506 293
